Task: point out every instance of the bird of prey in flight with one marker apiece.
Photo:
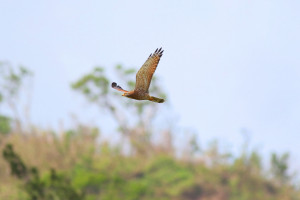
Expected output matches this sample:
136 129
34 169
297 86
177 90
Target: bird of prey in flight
143 80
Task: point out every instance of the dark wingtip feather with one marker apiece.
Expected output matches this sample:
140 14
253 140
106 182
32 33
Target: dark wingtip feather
157 52
161 101
161 53
114 84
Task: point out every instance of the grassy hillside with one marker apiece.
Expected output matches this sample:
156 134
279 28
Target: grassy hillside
99 171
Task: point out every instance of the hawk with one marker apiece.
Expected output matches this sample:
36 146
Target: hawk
143 80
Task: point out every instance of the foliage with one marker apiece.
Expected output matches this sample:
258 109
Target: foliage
5 126
279 167
80 164
12 80
101 171
52 187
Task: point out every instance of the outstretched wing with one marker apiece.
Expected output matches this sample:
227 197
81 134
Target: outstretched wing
117 87
144 75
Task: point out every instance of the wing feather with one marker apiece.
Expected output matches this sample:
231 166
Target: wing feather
144 75
117 87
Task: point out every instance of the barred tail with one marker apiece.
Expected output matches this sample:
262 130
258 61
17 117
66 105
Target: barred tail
157 100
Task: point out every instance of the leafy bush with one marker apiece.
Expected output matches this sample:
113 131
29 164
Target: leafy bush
51 187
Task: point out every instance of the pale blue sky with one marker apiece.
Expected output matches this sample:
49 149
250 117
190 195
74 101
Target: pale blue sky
227 66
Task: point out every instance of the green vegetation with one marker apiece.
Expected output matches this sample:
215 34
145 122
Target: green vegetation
81 164
11 82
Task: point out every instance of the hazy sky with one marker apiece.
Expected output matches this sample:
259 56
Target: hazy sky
227 65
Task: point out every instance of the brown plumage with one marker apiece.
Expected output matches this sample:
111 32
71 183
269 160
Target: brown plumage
143 80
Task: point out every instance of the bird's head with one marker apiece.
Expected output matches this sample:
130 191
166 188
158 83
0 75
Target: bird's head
127 94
